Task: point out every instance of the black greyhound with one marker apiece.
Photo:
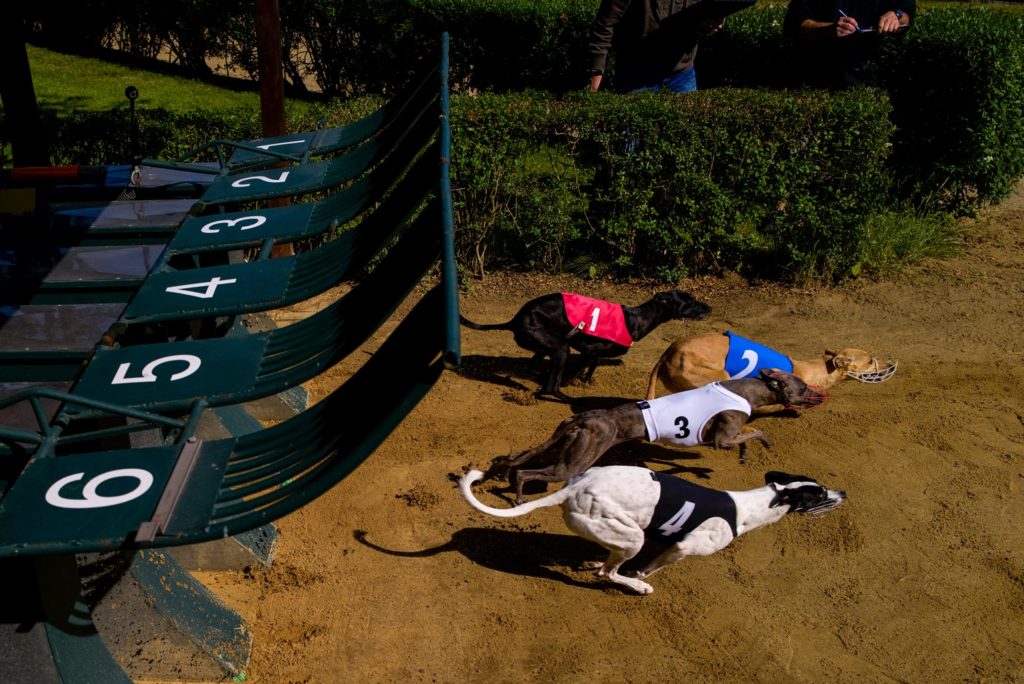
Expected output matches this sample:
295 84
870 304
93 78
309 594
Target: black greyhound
542 326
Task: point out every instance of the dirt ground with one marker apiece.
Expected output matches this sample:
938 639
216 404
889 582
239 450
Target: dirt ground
918 578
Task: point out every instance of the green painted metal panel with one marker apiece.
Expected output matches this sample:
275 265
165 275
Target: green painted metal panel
193 609
171 375
247 186
213 291
215 231
105 495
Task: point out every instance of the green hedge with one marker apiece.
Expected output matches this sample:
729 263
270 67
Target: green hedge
955 79
957 86
778 184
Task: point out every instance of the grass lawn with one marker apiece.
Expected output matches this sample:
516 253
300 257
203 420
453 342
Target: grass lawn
66 83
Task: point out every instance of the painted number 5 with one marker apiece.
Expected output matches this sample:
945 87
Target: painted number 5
90 499
121 377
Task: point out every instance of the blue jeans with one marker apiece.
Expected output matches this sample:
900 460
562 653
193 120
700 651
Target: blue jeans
632 80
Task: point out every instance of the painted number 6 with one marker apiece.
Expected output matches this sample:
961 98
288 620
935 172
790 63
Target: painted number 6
90 499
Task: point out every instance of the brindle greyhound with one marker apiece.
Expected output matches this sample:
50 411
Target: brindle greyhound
715 414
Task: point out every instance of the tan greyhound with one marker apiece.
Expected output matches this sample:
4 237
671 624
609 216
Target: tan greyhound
698 360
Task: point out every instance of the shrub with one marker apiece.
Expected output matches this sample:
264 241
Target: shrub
774 183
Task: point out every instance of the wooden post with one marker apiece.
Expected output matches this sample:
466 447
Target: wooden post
271 70
28 144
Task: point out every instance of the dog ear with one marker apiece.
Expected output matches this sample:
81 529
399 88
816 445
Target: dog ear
780 478
774 384
842 361
799 499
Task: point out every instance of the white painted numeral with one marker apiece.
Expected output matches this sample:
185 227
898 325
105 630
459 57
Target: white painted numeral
243 182
676 522
207 293
750 356
121 377
90 499
278 144
256 221
593 318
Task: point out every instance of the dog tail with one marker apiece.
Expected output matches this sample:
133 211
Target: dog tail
652 385
481 326
466 485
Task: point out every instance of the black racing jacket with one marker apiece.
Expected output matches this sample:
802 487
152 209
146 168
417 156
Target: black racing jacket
684 506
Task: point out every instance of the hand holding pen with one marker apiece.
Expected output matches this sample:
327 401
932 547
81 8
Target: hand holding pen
847 25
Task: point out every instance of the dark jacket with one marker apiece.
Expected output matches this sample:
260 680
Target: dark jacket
642 33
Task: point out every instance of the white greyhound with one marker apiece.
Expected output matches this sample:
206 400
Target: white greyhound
620 506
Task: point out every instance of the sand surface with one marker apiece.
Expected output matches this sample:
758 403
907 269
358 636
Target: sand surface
918 578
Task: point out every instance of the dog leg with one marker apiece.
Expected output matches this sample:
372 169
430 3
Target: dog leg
669 557
622 541
740 441
553 386
559 472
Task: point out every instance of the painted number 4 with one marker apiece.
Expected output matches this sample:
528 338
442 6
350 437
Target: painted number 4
208 287
676 522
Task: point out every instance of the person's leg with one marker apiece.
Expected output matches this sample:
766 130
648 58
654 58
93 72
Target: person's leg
684 81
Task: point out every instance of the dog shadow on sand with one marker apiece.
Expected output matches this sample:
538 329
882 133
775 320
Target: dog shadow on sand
544 555
506 371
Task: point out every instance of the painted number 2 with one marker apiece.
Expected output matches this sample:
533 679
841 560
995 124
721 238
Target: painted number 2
245 182
750 356
90 498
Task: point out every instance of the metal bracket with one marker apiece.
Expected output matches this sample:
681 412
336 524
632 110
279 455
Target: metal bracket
172 492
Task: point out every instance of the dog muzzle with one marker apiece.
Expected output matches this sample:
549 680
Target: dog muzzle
876 375
815 396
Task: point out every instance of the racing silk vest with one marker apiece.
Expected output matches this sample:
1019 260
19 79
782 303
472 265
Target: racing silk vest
680 418
597 317
746 358
684 506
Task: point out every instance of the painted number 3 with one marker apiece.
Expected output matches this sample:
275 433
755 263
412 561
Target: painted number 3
90 498
682 422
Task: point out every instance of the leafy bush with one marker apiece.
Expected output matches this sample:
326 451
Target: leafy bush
957 87
664 185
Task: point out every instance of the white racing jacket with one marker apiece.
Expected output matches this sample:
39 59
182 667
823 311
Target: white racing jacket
680 418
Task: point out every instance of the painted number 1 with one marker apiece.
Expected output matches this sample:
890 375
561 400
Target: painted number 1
593 318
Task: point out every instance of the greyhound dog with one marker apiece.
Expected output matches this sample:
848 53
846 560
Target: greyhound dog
715 414
552 324
619 506
711 357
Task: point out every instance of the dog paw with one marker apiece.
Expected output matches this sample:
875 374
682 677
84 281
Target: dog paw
591 565
643 588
